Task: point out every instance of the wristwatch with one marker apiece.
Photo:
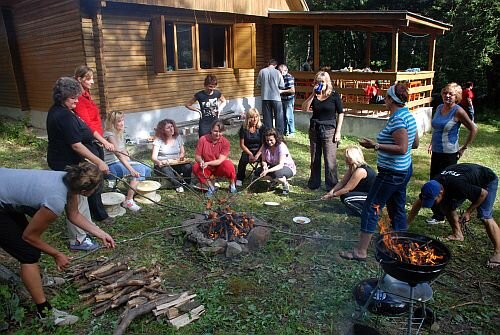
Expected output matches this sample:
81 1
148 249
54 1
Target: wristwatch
376 146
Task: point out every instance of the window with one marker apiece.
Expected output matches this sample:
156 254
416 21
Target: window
212 41
184 34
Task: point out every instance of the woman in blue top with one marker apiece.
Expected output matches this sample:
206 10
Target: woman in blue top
444 147
394 144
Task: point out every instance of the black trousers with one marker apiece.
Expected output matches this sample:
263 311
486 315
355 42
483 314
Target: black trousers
96 207
439 162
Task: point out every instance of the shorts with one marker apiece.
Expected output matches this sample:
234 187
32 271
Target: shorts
12 226
485 210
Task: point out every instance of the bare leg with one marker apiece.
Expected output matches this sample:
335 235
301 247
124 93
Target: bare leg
456 231
494 234
364 242
130 192
30 274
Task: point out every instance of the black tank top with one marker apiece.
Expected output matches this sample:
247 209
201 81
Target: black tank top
365 184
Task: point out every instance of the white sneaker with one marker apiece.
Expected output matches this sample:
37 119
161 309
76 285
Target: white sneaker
49 281
239 183
130 204
60 318
179 189
432 220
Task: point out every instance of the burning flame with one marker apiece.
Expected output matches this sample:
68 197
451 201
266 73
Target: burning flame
226 223
407 251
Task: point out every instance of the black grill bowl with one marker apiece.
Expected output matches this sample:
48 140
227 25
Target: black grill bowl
407 272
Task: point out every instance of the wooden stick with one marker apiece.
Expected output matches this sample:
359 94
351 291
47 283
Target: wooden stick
132 282
187 318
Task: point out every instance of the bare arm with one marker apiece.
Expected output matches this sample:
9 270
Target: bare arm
103 141
340 120
414 211
462 116
154 155
307 103
416 141
33 235
123 158
475 204
190 103
86 153
400 147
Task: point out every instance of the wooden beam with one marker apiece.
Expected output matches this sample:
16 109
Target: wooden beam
99 59
316 48
368 49
432 52
196 48
395 49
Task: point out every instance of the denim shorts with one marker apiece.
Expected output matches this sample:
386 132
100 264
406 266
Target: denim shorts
119 170
485 210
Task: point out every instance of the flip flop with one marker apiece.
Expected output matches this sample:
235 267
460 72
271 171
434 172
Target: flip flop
493 264
350 256
450 238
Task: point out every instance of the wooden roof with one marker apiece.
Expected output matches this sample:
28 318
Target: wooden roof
246 7
368 20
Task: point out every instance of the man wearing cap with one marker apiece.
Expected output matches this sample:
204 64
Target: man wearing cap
451 188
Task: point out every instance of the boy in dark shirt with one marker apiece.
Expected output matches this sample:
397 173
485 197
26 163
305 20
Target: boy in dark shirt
451 188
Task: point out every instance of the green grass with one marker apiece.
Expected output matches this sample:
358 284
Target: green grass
294 285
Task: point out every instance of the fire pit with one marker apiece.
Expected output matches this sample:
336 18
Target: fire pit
411 257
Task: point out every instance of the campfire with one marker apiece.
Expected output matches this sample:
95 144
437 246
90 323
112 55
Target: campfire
227 224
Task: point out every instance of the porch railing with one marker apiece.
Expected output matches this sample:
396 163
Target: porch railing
352 87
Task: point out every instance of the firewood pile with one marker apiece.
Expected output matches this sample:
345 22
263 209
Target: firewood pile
106 285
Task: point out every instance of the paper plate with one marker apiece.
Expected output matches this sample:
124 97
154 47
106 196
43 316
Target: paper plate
301 220
271 203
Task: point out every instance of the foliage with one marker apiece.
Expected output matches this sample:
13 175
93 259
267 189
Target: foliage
19 132
469 51
10 310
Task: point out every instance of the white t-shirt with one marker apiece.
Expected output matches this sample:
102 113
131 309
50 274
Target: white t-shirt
170 151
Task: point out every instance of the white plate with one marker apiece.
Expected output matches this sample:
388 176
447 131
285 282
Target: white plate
271 203
301 220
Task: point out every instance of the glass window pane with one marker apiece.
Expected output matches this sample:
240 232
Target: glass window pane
169 35
212 46
184 46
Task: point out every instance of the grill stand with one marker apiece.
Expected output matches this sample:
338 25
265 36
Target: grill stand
411 323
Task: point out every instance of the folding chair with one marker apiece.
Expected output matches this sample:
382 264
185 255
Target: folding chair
255 166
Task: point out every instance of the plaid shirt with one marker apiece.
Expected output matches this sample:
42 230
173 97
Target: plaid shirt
289 83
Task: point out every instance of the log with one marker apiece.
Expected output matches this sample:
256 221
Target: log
132 282
185 307
119 267
100 270
101 310
124 298
162 309
187 318
137 301
136 312
104 296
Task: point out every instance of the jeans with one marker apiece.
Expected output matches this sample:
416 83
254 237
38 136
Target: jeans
289 118
322 142
485 210
273 110
388 189
119 170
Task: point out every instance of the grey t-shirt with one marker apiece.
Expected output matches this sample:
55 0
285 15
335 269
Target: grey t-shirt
270 81
33 189
110 157
171 151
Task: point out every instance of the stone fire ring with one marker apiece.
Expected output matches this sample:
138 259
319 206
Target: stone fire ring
257 237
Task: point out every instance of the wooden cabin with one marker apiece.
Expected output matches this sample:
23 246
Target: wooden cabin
151 56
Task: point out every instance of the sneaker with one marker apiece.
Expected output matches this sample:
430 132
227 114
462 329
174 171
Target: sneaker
233 189
49 281
210 192
239 183
130 204
86 245
291 135
286 189
433 220
111 183
179 189
59 318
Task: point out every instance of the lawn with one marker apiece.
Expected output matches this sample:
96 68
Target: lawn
296 284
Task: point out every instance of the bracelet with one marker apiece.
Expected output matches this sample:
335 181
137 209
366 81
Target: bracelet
376 146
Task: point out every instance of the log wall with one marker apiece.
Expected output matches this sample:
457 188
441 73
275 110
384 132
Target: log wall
131 82
49 37
9 95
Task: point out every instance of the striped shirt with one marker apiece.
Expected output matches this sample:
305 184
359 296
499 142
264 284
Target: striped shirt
445 131
289 83
401 119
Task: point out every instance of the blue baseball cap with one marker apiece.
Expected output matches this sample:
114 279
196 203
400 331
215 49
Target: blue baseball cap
429 192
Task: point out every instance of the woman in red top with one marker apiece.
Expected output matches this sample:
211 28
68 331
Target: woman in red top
88 111
86 108
211 155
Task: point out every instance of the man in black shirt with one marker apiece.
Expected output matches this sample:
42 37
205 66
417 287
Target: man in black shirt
451 188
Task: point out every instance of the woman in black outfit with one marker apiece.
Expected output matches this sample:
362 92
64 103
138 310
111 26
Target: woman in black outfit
251 138
324 130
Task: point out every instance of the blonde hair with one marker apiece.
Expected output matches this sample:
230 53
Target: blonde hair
355 154
111 120
455 89
325 77
251 113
